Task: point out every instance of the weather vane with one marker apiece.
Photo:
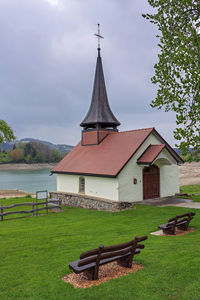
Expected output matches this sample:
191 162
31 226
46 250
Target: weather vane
99 36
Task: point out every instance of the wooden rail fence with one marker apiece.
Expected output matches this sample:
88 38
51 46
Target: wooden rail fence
49 204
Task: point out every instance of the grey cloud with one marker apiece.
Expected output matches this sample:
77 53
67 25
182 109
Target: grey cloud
47 64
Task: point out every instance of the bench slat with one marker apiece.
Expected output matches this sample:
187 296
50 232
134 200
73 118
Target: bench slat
86 261
106 249
116 253
140 246
140 239
192 214
89 253
117 247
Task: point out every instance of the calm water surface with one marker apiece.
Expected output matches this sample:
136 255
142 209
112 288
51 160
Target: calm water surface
29 181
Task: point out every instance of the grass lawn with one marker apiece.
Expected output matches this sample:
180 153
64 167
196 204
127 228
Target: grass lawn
35 253
191 189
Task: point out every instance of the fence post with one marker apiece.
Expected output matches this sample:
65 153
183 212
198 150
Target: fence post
1 213
60 201
47 204
33 208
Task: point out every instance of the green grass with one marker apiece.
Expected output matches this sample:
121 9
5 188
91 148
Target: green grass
191 189
35 253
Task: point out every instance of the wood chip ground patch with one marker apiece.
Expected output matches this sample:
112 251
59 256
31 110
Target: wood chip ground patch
106 273
178 232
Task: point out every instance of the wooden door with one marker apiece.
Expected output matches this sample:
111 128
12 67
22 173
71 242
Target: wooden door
151 182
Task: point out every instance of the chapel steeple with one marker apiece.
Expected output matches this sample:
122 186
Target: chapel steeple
99 116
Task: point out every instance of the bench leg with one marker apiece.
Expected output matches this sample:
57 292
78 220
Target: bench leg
169 231
125 262
183 227
89 274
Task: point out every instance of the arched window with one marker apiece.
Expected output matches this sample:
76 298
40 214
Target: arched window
81 185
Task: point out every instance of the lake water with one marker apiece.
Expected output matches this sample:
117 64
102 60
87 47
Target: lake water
29 181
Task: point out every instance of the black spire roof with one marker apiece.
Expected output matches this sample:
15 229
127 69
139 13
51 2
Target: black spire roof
99 114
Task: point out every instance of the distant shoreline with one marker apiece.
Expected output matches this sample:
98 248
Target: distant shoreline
16 167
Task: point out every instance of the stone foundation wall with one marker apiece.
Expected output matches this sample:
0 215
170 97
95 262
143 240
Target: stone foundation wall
79 200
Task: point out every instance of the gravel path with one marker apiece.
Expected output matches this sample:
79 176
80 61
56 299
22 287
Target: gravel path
189 205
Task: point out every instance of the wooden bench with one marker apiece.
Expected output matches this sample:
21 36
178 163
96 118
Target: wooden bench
181 222
90 261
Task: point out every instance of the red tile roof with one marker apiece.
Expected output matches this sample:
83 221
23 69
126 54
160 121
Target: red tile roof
150 154
105 159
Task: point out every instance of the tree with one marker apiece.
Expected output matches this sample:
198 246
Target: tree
16 155
30 149
6 132
177 72
56 155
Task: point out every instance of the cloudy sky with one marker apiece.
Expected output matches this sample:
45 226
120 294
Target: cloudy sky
47 64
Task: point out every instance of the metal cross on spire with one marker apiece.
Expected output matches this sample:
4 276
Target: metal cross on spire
99 36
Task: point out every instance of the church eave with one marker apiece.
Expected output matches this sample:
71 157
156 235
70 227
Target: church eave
83 124
84 174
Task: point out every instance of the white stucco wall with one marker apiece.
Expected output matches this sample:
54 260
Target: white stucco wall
169 180
94 186
169 177
67 183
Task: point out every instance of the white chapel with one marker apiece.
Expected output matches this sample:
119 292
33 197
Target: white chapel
109 165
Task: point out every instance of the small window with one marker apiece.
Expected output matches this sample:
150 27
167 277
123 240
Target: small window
81 184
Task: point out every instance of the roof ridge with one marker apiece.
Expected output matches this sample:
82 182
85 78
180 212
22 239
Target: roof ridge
134 130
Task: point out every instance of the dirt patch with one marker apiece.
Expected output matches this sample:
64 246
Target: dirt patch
189 173
13 193
178 232
106 273
17 167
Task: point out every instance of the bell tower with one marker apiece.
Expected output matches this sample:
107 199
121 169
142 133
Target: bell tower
99 121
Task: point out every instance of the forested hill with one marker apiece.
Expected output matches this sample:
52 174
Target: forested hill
62 148
32 151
